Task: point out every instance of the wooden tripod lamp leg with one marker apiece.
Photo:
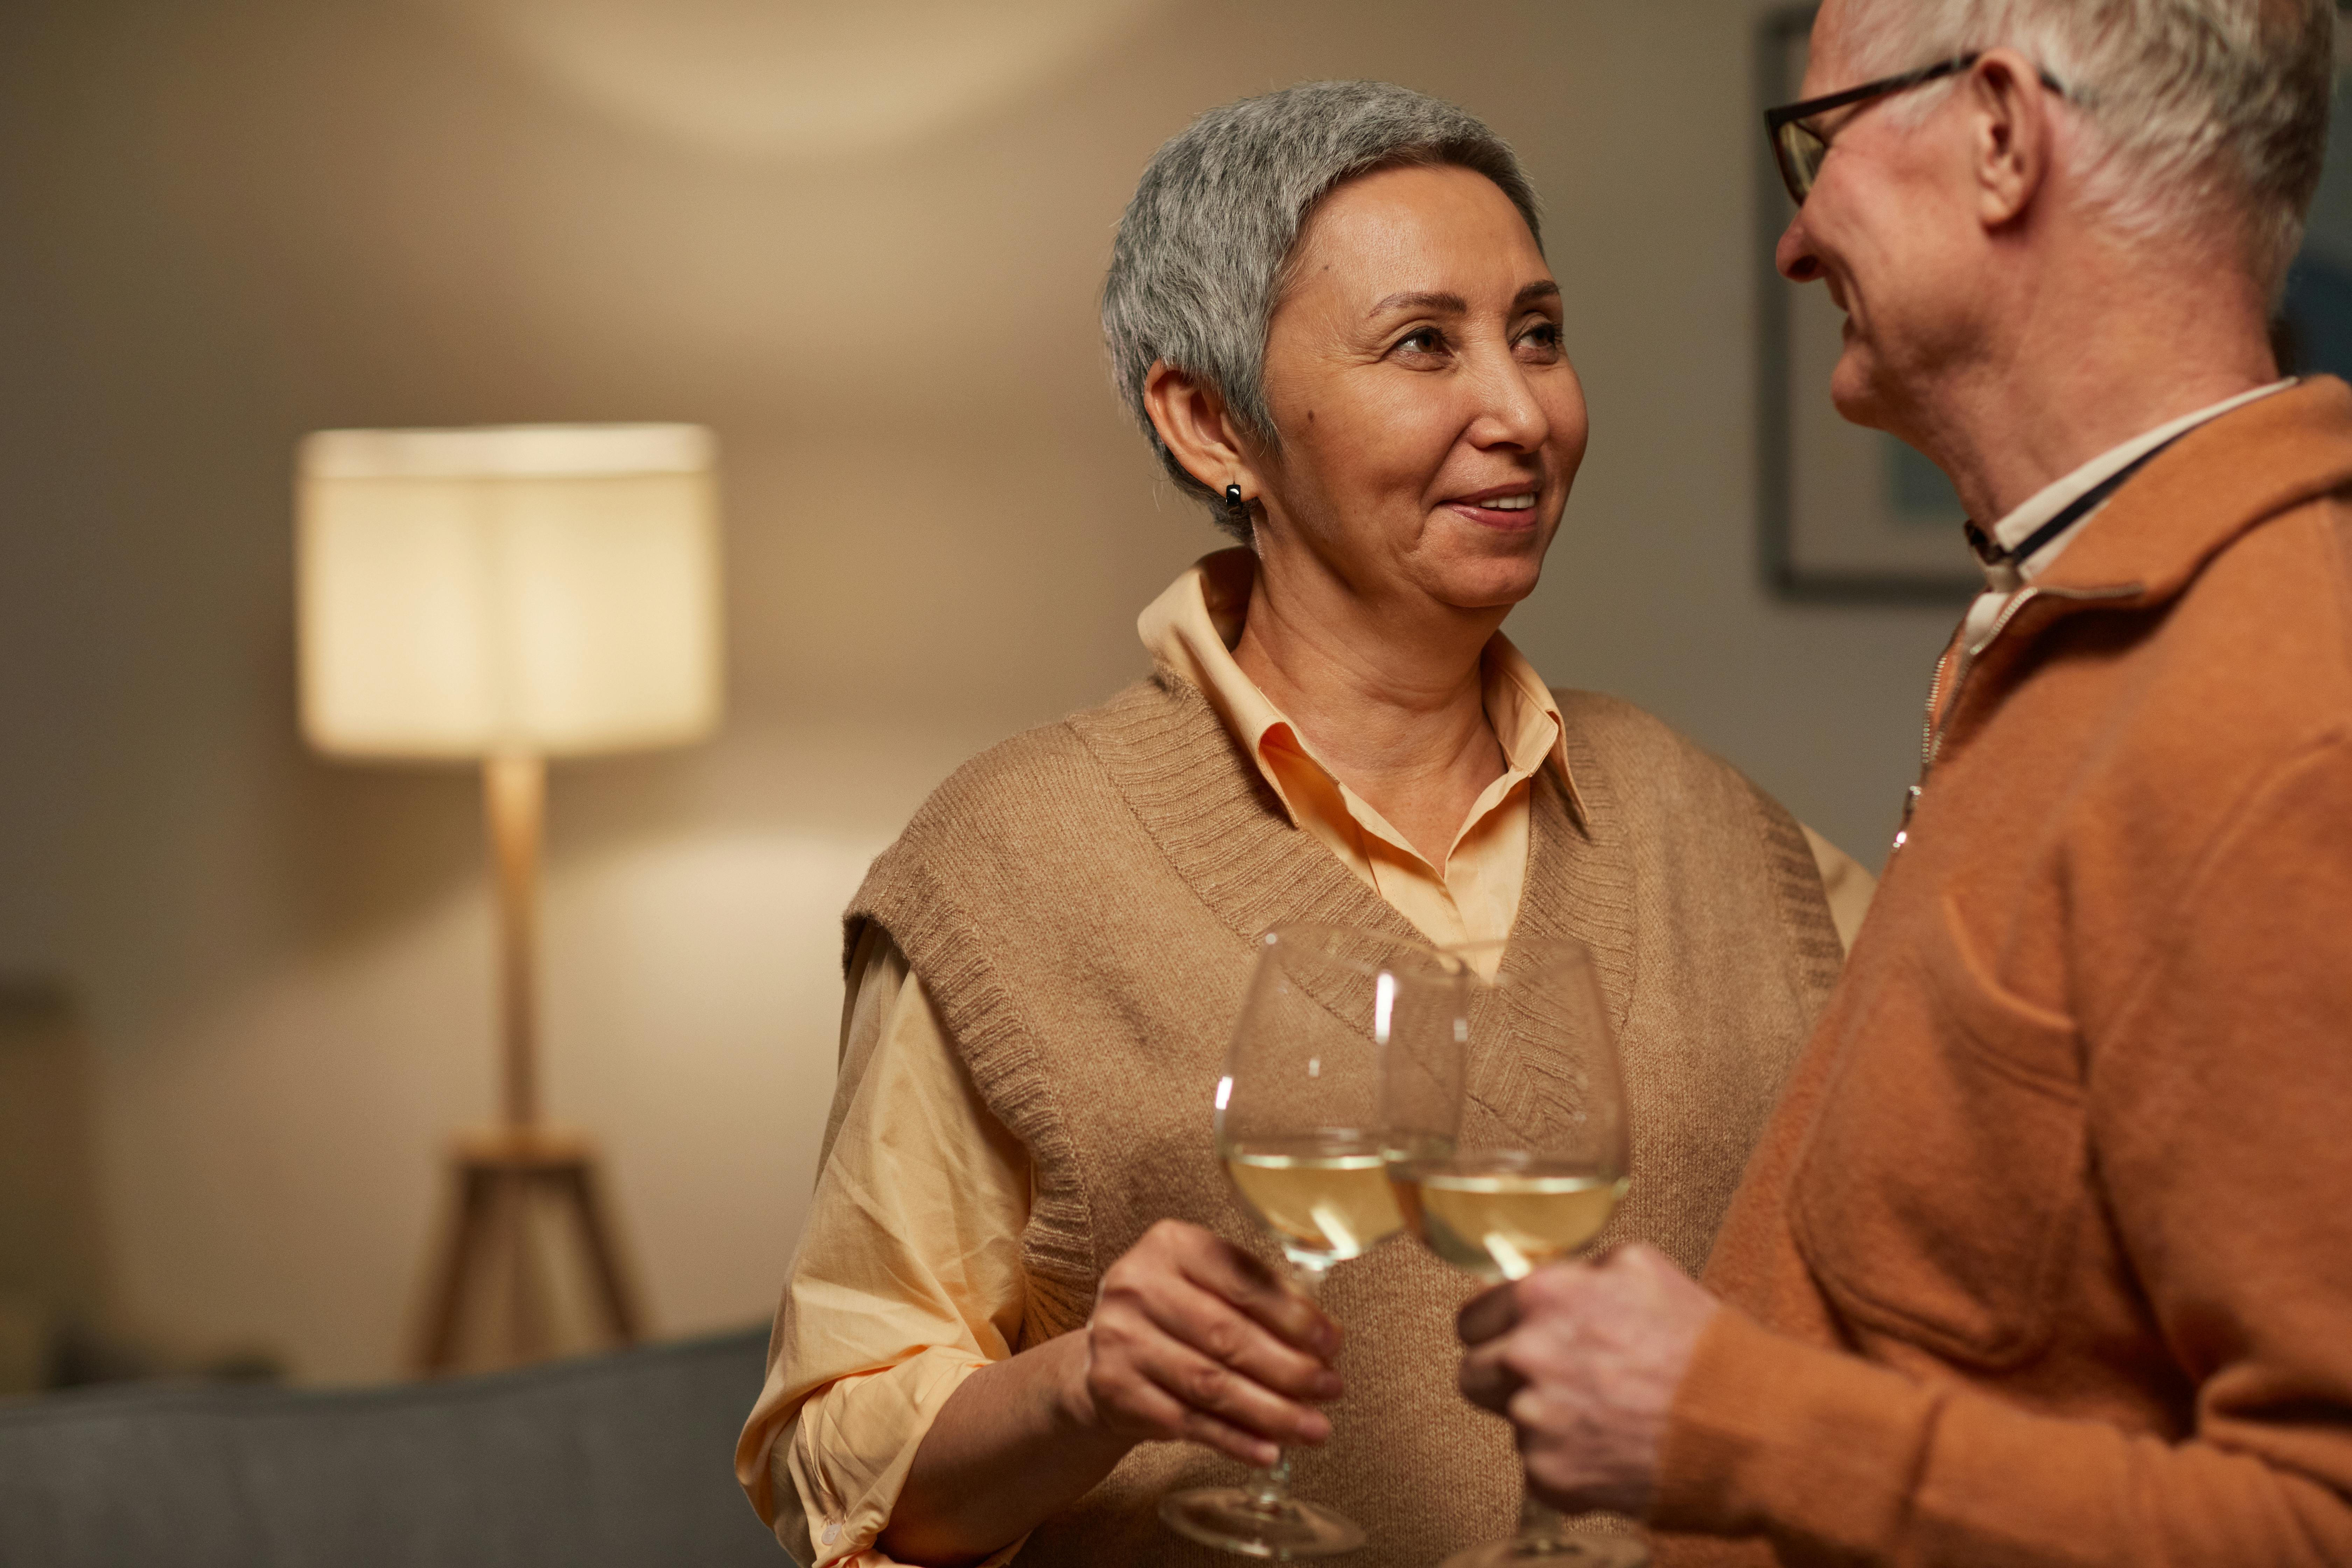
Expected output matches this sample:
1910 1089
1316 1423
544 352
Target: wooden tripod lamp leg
462 1246
498 1173
514 793
596 1237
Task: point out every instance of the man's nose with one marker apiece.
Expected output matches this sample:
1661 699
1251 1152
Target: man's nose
1794 255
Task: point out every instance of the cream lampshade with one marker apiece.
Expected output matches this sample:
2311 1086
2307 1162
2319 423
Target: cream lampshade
548 589
509 594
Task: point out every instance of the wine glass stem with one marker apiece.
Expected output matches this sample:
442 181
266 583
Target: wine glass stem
1539 1524
1270 1489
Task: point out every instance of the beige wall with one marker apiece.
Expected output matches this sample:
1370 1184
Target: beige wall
863 243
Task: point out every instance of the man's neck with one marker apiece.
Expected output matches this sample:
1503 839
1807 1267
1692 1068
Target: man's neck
2085 370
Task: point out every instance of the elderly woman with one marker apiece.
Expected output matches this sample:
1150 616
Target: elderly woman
1024 1305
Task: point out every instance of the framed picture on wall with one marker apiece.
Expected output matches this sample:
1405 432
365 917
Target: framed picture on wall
1845 513
2313 330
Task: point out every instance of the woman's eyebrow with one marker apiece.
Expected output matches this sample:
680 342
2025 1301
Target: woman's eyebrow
1455 304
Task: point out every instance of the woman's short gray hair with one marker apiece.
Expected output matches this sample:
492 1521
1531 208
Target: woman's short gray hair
2202 112
1199 262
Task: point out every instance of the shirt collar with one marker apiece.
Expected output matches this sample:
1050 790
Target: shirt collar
1193 626
2005 572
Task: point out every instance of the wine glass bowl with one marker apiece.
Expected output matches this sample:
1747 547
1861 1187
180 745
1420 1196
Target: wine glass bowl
1326 1200
1505 1216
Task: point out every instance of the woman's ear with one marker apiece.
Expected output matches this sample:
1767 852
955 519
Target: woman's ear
1191 417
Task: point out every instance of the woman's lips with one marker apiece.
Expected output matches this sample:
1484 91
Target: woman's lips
1510 510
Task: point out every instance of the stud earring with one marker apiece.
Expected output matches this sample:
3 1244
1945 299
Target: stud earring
1237 511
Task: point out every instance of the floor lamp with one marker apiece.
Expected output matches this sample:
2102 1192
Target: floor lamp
507 595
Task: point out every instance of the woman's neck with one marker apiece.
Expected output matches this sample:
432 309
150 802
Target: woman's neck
1392 698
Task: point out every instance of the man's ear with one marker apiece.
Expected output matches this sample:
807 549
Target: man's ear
2011 112
1191 419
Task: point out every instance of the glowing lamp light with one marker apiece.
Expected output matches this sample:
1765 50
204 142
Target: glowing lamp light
549 590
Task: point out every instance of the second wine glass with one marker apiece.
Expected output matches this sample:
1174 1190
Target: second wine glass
1502 1165
1299 1130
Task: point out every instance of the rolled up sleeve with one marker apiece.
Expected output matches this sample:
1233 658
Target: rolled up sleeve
908 1277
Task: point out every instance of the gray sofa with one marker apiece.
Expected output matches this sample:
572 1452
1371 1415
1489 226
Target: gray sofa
617 1461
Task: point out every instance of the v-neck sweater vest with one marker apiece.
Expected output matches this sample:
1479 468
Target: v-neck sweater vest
1081 903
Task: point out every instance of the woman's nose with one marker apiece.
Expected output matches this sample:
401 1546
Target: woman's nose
1511 414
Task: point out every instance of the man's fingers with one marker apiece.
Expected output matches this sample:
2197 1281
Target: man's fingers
1589 1370
1488 1314
1488 1381
1211 1326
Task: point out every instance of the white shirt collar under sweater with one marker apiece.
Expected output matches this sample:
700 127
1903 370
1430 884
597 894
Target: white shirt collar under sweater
2004 578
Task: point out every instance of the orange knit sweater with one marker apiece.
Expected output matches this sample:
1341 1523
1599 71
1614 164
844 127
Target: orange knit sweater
2047 1255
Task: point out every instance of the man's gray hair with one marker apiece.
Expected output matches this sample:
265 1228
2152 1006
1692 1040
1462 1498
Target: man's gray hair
2203 113
1202 253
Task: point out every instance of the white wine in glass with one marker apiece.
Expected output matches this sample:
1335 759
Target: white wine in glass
1329 1199
1502 1181
1299 1130
1504 1217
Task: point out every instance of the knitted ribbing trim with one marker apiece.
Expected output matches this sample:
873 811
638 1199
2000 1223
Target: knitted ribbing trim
1210 811
1580 883
932 924
1797 893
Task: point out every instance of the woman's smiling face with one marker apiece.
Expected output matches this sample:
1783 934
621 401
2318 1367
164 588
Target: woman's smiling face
1429 422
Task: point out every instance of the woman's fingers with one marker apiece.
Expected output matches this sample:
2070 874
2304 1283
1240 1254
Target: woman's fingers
1199 1350
1144 1382
1225 1270
1167 1417
1193 1338
1211 1326
1218 1398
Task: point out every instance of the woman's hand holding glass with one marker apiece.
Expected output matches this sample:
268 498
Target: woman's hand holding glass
1192 1337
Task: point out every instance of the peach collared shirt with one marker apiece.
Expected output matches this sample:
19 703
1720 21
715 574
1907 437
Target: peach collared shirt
1474 894
908 1276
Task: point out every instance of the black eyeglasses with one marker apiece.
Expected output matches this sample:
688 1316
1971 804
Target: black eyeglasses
1799 149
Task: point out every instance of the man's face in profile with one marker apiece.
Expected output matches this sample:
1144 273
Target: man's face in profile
1887 228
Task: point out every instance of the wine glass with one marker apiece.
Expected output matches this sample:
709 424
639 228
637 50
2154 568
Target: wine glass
1502 1165
1300 1131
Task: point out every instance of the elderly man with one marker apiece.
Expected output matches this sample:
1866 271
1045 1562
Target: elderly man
2046 1257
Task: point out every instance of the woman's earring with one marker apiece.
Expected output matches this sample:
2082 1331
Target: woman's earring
1237 511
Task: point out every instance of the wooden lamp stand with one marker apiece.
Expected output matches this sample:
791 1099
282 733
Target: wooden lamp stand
503 1174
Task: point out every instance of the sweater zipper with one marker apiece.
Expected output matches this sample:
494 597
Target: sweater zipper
1931 744
1931 736
1931 733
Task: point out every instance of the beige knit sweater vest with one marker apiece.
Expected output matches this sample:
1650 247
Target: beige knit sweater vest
1080 902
